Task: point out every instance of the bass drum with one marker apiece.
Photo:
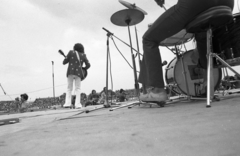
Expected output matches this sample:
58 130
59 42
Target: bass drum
174 76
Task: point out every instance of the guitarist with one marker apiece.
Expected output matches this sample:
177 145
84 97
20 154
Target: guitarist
75 59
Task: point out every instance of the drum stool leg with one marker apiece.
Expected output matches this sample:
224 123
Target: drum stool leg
210 80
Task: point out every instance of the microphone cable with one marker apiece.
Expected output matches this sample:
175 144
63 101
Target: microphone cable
121 53
33 91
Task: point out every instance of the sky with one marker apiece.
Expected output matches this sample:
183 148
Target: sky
32 32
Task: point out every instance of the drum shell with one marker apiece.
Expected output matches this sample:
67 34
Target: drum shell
174 75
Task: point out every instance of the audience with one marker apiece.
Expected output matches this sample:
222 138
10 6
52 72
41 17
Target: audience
122 96
23 103
92 98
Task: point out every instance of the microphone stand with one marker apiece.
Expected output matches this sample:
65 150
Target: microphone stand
122 41
108 51
134 64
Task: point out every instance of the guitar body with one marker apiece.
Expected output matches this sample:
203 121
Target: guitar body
85 73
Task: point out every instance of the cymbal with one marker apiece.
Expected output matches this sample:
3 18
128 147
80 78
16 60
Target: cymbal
132 6
127 17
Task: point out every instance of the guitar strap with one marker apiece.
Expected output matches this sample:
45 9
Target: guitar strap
80 64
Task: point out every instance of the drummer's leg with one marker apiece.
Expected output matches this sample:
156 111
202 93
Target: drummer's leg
201 39
151 69
151 73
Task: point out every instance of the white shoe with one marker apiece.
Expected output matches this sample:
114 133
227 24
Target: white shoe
66 105
79 106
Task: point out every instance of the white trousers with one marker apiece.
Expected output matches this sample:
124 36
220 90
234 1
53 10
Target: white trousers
70 80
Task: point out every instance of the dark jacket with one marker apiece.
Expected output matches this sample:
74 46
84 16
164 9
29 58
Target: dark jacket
94 97
74 66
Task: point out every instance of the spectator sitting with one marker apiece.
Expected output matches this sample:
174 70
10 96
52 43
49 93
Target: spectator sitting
122 96
17 103
103 96
24 104
92 98
73 99
83 99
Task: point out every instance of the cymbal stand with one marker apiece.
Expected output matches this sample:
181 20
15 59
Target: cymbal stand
139 60
130 105
133 59
137 46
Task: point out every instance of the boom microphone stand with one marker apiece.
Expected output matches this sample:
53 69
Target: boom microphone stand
137 51
108 51
122 41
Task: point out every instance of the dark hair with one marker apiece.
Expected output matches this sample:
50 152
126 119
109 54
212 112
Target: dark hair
121 90
24 96
93 90
79 47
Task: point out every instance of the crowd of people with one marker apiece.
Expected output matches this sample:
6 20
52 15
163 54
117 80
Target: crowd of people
22 104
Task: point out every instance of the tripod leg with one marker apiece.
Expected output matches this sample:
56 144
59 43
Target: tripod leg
127 105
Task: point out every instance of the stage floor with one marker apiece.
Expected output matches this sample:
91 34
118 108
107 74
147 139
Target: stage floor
181 128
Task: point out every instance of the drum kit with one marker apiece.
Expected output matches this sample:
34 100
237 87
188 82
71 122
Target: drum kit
181 75
133 16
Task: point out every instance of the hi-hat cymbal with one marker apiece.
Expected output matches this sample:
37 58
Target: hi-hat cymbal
132 6
127 17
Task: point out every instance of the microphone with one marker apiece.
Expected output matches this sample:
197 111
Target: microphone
107 31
